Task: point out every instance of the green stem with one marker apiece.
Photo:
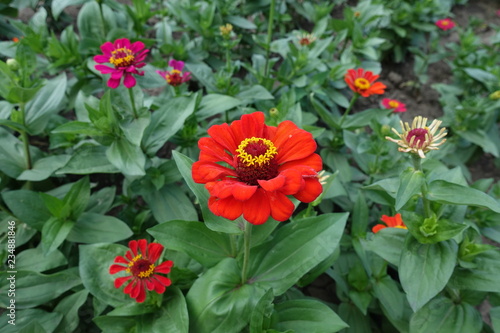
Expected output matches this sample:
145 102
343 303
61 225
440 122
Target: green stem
247 233
351 104
269 35
417 164
25 139
132 100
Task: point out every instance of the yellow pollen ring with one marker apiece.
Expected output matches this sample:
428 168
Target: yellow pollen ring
362 83
121 60
249 159
171 73
393 104
147 273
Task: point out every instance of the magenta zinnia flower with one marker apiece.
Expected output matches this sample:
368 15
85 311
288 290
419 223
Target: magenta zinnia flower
175 77
445 24
126 58
394 104
143 272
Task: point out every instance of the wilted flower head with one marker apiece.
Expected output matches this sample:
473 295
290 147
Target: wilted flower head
225 30
125 57
394 104
419 139
306 39
363 83
390 222
175 77
445 24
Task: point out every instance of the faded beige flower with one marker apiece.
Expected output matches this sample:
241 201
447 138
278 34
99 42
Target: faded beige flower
419 139
306 39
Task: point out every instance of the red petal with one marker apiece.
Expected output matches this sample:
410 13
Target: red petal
141 296
136 289
158 286
250 125
256 210
129 81
128 289
143 244
311 190
133 246
222 189
113 269
313 161
230 208
107 48
164 267
137 46
274 184
105 69
294 181
163 280
113 83
293 143
150 284
223 135
281 207
242 191
211 151
378 227
121 260
121 280
154 251
204 172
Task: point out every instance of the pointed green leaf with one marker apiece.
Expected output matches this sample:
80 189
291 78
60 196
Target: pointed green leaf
69 307
54 232
411 184
88 160
388 244
484 275
170 203
126 157
98 228
35 260
27 206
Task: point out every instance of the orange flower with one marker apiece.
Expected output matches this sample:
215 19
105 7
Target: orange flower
250 168
363 83
390 222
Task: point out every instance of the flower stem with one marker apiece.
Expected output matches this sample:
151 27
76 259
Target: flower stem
417 164
132 100
247 233
25 139
269 35
351 104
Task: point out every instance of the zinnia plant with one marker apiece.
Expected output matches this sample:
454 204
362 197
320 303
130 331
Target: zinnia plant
390 222
445 24
363 82
419 139
126 58
139 263
250 168
175 77
393 104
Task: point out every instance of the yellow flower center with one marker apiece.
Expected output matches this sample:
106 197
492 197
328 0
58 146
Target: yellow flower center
393 104
445 22
362 83
256 151
141 268
122 57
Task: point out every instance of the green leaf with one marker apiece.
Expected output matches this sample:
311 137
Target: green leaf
34 289
77 197
307 316
195 239
90 25
45 104
213 104
44 168
449 193
495 318
424 269
218 303
443 315
78 127
241 22
482 139
170 203
253 94
25 318
126 157
360 215
442 229
392 301
484 275
88 160
262 312
54 232
27 206
357 321
111 324
11 155
388 244
215 223
95 260
59 5
35 260
97 228
411 184
100 202
482 76
295 249
22 95
69 307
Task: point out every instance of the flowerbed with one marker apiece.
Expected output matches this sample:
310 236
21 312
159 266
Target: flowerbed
194 166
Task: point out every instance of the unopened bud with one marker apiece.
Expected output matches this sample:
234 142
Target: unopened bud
13 64
495 96
274 112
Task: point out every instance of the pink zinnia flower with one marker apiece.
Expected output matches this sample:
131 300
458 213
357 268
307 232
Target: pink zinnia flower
445 24
125 57
175 77
396 105
139 263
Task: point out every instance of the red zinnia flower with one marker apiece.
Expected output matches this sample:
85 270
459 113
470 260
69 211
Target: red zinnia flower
445 24
143 272
125 57
175 77
363 83
396 105
390 222
249 168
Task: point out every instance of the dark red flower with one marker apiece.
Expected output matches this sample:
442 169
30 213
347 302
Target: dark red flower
250 168
363 83
139 263
175 77
390 222
125 57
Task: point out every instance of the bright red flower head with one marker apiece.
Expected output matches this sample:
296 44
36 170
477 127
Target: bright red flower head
445 24
175 77
390 222
394 104
125 57
139 263
363 83
250 168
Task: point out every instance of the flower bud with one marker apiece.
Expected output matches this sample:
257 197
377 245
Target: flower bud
13 64
495 96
